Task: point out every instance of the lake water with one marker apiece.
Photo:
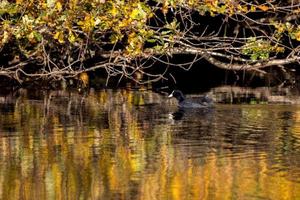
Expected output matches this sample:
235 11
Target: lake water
127 145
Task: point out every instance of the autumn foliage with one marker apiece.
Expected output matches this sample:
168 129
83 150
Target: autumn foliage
55 39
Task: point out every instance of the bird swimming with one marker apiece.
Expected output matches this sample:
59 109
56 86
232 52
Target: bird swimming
201 102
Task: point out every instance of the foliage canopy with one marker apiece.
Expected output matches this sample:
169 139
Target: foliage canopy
126 37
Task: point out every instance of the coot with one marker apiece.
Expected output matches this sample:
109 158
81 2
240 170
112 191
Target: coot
201 102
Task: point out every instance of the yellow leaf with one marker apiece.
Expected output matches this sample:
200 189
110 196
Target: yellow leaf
51 3
165 8
114 11
31 37
88 24
135 14
58 6
124 23
56 35
138 13
59 36
71 37
43 5
73 4
19 2
61 39
253 8
5 37
298 36
279 49
243 8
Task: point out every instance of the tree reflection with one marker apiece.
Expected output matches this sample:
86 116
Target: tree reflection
121 145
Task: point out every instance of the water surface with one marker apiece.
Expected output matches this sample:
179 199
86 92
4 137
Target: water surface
137 145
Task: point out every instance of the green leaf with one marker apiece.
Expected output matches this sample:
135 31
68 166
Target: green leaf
38 36
151 40
264 56
158 48
166 32
254 57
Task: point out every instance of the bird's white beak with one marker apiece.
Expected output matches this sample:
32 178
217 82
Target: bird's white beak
171 95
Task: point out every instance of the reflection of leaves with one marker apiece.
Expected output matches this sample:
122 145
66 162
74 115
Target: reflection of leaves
106 147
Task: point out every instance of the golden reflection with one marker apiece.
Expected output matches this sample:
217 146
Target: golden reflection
110 145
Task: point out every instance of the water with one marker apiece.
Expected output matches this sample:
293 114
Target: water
137 145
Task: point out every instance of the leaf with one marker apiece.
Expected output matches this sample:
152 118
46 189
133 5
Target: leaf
253 8
71 37
5 37
254 57
51 3
56 35
38 36
87 24
31 37
151 40
263 7
138 13
264 56
166 32
19 2
165 7
114 11
114 38
135 14
279 49
158 48
58 6
297 35
59 36
222 9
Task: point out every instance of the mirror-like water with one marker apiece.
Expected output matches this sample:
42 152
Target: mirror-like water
137 145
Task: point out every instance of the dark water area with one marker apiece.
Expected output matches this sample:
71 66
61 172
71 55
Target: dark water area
136 144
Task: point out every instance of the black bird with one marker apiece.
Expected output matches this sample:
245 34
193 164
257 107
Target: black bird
201 102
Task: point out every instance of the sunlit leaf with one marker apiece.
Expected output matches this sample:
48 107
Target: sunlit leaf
114 11
58 6
19 1
263 8
88 23
297 35
151 40
5 37
280 49
59 36
253 8
31 37
51 3
71 37
38 36
138 13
